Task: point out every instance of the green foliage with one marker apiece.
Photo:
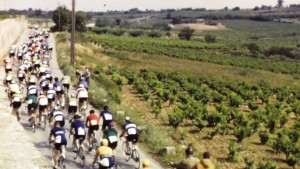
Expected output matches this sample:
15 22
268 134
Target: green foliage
186 33
154 34
210 38
136 33
61 16
250 164
267 165
242 132
233 152
176 117
292 160
252 105
264 137
235 100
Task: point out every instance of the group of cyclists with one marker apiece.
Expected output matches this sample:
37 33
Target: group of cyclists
30 81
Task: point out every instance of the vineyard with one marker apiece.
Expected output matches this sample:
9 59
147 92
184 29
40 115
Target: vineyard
218 53
221 108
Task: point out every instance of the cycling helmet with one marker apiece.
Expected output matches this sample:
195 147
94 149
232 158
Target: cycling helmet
73 95
104 142
127 119
50 86
13 82
146 163
189 151
81 85
43 77
56 108
41 92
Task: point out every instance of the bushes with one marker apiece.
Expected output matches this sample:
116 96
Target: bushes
186 33
210 38
136 33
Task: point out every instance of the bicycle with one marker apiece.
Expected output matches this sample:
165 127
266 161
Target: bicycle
94 141
79 151
100 163
61 159
45 117
132 153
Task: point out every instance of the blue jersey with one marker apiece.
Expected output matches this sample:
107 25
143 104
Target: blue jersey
107 116
59 135
78 127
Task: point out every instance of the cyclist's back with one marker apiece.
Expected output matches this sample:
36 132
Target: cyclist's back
106 116
131 130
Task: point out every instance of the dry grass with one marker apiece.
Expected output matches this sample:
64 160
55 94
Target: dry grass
200 26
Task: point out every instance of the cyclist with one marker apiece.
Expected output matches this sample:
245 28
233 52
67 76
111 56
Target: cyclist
44 84
48 75
72 106
13 88
43 103
51 95
32 80
16 103
106 116
58 136
131 130
83 82
105 155
66 80
32 90
58 116
146 164
92 122
82 95
205 163
111 134
59 89
21 75
77 129
190 162
8 64
31 107
9 77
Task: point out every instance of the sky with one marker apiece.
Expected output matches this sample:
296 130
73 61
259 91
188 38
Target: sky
104 5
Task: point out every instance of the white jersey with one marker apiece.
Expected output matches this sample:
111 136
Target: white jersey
43 101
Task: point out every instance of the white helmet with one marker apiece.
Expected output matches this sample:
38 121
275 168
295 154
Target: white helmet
72 95
81 85
43 77
50 86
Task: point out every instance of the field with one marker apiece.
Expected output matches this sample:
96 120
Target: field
241 106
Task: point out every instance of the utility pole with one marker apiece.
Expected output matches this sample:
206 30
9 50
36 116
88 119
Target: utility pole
59 28
72 58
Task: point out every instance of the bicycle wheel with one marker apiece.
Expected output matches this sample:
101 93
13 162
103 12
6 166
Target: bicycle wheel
125 152
94 143
61 162
81 156
136 158
44 122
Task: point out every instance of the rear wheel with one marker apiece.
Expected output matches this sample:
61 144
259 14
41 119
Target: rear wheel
125 151
81 156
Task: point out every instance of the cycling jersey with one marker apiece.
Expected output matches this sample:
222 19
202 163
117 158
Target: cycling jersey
14 88
59 135
93 120
32 79
17 101
112 137
72 102
84 83
51 94
9 77
44 83
42 100
32 89
107 118
78 127
132 132
82 93
59 116
66 80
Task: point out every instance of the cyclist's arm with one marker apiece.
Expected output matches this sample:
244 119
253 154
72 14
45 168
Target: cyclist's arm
123 133
49 139
96 157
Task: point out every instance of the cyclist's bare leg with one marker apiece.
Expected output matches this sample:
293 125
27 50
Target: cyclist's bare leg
40 116
55 156
74 142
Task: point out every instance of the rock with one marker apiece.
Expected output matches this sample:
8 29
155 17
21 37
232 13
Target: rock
170 150
142 128
122 113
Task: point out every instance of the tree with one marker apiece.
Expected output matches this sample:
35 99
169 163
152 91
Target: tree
169 15
186 33
62 17
280 3
118 21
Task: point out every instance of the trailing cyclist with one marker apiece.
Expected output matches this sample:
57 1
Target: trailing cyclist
78 131
58 136
16 102
92 122
130 129
111 134
32 90
51 95
43 103
104 155
8 78
8 64
32 80
44 84
13 88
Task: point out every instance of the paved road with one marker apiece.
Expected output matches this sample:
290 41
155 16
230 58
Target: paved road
39 138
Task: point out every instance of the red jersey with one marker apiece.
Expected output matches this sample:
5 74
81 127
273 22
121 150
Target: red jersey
93 120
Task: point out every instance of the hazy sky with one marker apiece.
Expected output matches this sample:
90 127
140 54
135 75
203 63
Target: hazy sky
104 5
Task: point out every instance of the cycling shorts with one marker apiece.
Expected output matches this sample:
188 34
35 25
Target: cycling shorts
93 128
82 100
79 137
67 86
72 109
16 105
59 92
43 107
105 124
32 106
58 145
113 145
133 138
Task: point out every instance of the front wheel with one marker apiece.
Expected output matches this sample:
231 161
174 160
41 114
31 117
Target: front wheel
81 156
136 158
